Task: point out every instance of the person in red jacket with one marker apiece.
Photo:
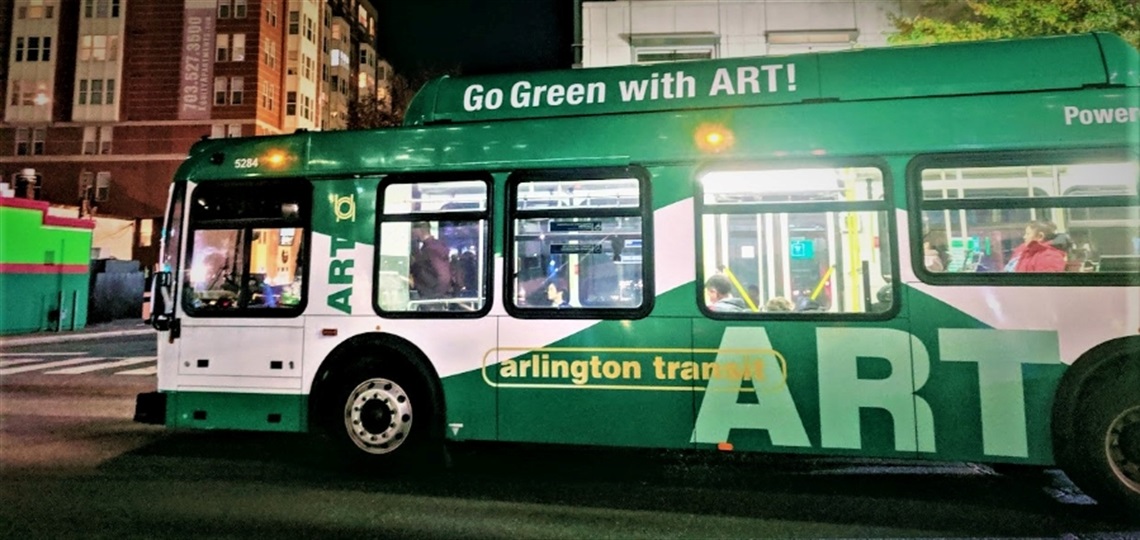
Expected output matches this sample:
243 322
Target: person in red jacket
1043 250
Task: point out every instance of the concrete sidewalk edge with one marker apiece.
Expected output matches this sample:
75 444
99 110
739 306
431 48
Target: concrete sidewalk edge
65 337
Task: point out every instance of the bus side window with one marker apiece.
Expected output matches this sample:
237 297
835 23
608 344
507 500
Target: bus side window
1007 220
787 241
578 244
433 243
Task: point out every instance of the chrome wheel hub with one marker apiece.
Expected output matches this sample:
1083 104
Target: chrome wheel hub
1122 445
378 416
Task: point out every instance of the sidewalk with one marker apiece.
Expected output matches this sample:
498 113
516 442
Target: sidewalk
123 327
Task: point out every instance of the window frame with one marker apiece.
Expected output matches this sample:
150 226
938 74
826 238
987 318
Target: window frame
916 205
886 206
644 211
302 185
487 215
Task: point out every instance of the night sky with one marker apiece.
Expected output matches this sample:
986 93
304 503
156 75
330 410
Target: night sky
476 36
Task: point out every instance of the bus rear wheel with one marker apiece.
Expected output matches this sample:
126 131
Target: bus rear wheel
1108 445
381 413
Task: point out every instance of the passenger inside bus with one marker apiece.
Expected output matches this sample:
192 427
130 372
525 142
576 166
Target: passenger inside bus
430 267
1043 249
718 294
936 251
779 303
556 294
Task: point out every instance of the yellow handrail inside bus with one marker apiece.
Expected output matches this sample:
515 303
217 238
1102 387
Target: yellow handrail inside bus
740 289
822 281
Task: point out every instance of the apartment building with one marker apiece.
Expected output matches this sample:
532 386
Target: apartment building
103 98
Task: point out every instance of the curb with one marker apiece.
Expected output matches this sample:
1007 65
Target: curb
36 340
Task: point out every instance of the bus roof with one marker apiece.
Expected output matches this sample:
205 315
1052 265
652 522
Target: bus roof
1036 64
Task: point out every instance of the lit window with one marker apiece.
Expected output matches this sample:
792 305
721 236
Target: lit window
98 48
222 45
239 48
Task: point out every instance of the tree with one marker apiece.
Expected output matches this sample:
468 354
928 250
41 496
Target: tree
368 112
968 20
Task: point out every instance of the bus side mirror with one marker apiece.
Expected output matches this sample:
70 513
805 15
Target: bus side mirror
161 304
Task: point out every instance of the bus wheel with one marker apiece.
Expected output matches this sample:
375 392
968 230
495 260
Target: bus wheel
381 413
378 416
1108 444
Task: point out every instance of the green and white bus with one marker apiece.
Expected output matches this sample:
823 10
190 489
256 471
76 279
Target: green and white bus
526 260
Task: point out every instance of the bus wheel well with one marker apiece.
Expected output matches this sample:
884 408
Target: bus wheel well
1079 379
388 347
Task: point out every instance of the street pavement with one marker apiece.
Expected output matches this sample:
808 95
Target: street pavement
113 329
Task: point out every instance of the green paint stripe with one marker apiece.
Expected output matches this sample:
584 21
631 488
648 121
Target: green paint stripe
254 412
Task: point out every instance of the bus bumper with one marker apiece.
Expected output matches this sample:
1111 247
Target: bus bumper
150 408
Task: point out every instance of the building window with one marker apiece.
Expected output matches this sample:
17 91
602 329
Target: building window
291 103
96 92
306 107
224 7
86 186
268 95
219 90
29 93
240 9
98 48
43 9
307 64
271 13
294 23
100 9
97 139
653 56
239 48
220 131
146 232
33 49
23 147
30 141
102 186
237 90
309 29
671 47
222 42
270 50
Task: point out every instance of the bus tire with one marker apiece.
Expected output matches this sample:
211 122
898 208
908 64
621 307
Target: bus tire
381 413
1106 460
